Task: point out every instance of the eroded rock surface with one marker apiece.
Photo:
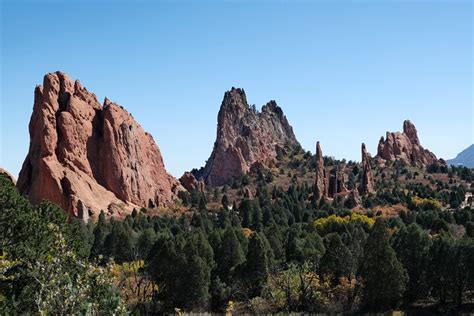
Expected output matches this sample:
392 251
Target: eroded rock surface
367 179
88 157
246 137
405 146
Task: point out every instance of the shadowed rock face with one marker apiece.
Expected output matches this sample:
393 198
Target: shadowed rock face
405 146
367 184
190 183
88 157
246 138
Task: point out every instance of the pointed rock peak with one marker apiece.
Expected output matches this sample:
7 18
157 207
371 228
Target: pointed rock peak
319 152
321 179
246 138
272 107
367 184
365 154
235 96
410 130
405 146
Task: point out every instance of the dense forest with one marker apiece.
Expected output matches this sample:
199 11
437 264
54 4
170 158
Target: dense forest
278 251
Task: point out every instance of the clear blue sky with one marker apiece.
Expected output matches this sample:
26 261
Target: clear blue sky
343 72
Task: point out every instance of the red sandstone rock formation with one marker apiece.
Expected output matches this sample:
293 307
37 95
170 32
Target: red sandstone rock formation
190 183
88 157
405 146
248 193
246 138
321 185
356 197
327 184
367 180
336 182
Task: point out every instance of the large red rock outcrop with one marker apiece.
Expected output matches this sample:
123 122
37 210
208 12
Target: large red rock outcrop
405 146
367 180
88 157
246 138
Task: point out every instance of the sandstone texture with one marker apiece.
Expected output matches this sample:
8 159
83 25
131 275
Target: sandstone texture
405 146
336 182
86 156
246 138
320 185
327 183
367 179
190 183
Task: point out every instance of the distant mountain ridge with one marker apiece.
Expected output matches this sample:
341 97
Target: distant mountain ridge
464 158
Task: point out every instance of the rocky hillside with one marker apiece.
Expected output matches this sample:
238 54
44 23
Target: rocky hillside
405 146
86 156
246 139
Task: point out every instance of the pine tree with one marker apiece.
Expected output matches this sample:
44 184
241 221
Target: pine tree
384 277
256 266
100 233
412 245
336 260
230 254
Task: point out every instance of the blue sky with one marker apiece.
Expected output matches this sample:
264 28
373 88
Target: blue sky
343 72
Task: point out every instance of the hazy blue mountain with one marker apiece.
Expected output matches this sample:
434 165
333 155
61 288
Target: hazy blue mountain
465 158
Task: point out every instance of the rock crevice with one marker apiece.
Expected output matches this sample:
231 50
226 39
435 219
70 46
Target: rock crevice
88 157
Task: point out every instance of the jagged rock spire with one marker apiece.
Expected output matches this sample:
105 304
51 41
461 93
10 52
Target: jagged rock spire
405 146
321 182
367 181
245 139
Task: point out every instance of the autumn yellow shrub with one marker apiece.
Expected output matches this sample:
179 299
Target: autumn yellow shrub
323 225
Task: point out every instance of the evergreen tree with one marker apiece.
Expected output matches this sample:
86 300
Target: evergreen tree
230 254
442 264
196 279
100 233
335 262
256 266
412 245
384 277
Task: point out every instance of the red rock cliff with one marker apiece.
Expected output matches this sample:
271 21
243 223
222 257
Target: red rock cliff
89 157
246 138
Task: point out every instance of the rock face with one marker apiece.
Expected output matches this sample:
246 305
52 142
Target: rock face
321 185
327 184
246 138
88 157
367 180
190 183
405 146
336 182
